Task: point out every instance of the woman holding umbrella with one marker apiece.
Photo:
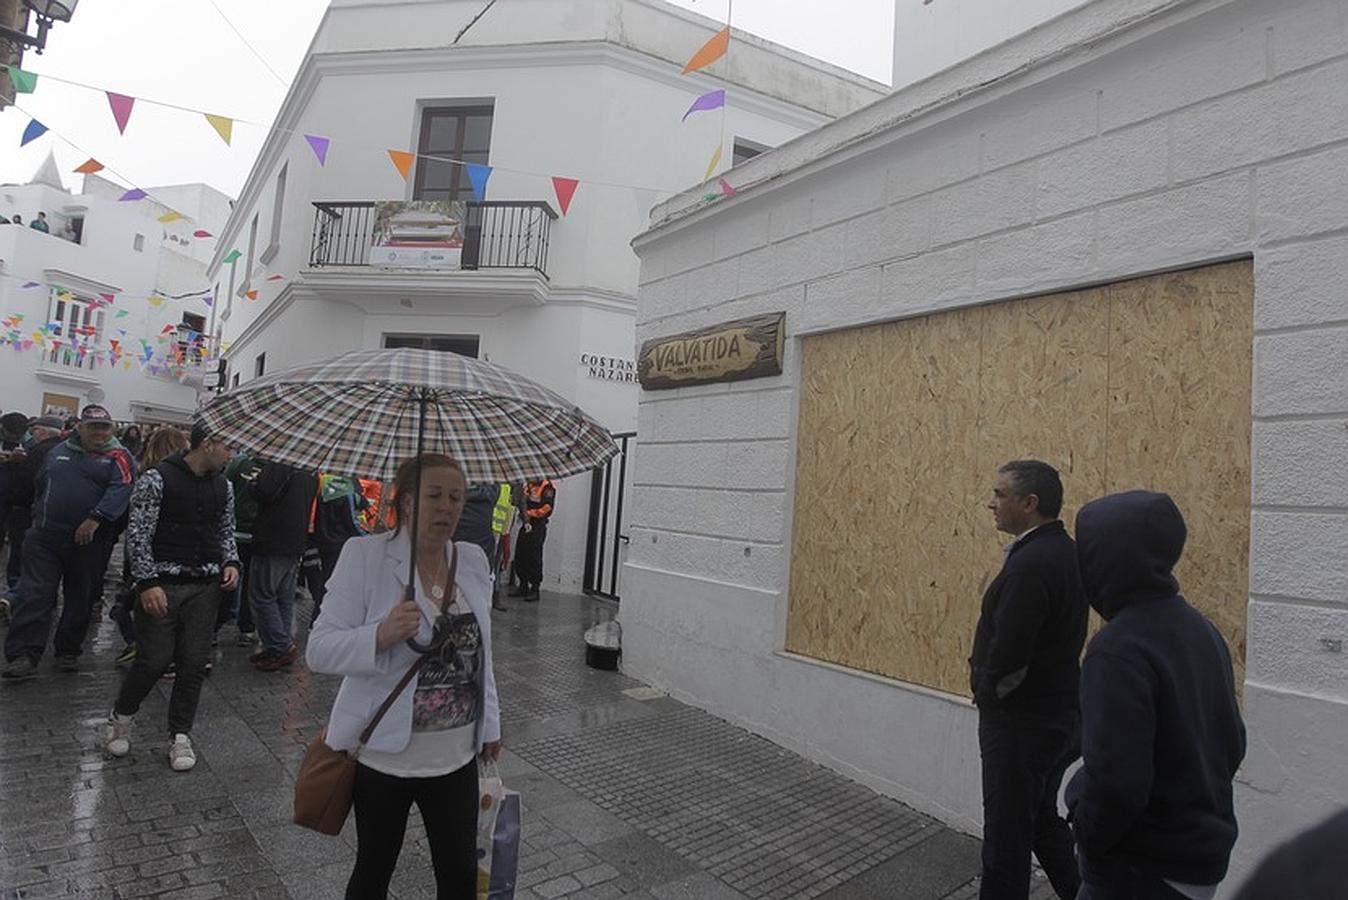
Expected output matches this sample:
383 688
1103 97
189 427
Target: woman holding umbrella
425 747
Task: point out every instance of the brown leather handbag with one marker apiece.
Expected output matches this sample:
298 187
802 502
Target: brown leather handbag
327 777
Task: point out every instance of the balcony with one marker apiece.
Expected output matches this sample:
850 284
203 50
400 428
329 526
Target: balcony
496 235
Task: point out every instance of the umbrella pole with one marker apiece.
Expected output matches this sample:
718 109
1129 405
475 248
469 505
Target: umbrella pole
411 593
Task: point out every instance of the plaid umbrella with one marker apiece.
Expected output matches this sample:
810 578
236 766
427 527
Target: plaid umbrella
365 412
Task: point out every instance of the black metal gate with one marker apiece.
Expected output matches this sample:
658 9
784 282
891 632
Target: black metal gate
603 542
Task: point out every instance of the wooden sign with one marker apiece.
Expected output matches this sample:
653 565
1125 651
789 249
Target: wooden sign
731 351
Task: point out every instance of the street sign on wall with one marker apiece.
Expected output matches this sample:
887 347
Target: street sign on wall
731 351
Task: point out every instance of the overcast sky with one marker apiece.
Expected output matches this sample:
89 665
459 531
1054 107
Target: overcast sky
186 52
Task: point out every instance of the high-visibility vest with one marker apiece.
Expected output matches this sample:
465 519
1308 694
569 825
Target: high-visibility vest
502 514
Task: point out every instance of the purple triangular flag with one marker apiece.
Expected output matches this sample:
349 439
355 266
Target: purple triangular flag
34 131
478 175
28 285
710 100
320 147
133 194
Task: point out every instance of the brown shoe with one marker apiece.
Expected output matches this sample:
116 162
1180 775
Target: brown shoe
273 660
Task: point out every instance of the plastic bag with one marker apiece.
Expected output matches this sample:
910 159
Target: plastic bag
498 836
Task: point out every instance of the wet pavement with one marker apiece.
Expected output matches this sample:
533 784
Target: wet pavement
625 792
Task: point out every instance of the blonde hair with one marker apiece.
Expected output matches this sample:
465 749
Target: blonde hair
160 445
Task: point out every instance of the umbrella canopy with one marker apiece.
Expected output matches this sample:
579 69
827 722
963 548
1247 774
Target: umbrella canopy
365 412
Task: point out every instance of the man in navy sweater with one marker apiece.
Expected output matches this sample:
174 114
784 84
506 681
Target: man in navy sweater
1024 676
1162 737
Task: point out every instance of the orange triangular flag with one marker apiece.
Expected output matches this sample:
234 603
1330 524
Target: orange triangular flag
90 166
710 52
251 295
223 125
566 189
402 161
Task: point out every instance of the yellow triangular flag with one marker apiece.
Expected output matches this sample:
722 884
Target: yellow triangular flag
155 300
223 125
402 161
711 166
170 216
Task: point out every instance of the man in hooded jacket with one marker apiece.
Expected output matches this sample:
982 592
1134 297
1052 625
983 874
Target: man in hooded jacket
1151 808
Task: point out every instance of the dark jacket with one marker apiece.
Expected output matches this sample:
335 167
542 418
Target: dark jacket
475 520
245 503
23 486
1031 627
181 526
1311 866
75 484
284 498
1161 735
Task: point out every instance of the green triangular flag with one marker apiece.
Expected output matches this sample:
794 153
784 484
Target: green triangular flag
24 82
233 255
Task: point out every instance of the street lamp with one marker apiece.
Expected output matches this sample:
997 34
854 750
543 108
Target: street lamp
47 12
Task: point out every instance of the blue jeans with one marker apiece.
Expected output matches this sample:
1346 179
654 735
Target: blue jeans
271 588
52 559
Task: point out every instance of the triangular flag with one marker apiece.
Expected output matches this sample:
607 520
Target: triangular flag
121 109
223 125
171 216
28 285
709 52
276 278
251 295
24 82
200 233
34 131
478 175
233 255
711 100
90 166
402 161
320 147
133 194
566 189
726 187
711 166
209 301
157 301
108 297
122 314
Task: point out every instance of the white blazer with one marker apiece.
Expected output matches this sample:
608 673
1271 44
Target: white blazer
365 586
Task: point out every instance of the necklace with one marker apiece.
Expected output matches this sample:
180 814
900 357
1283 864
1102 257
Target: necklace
437 592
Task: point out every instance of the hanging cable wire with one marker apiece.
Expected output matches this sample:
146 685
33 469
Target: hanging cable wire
247 44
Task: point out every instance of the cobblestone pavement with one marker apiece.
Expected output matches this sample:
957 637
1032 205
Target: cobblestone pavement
624 794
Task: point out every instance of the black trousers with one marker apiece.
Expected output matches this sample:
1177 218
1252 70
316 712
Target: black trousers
17 521
1024 756
529 555
51 561
1113 880
448 805
182 636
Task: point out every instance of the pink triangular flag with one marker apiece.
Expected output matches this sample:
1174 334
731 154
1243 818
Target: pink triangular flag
201 233
566 189
320 147
726 187
276 278
121 109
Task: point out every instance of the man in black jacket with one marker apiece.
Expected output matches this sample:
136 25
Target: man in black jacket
181 543
1161 733
280 534
1024 675
26 462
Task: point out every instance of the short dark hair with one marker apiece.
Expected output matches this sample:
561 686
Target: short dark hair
1030 476
199 434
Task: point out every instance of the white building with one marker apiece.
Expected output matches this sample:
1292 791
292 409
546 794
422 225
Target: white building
109 275
535 88
956 264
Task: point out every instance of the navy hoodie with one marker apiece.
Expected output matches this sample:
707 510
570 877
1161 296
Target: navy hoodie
1161 734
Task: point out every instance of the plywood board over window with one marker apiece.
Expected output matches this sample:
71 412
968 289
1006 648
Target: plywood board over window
1143 383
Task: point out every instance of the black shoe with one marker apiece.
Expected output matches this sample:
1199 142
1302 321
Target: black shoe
532 596
66 662
21 669
518 591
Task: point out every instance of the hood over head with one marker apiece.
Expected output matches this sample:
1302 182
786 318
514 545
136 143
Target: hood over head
1127 545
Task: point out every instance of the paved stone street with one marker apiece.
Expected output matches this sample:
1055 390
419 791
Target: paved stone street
622 796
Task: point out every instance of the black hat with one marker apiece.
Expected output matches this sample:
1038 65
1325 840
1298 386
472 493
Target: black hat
95 413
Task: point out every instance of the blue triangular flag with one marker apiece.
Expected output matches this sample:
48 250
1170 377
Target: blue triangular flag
478 175
34 131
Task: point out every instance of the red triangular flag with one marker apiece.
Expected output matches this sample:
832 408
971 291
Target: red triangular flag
566 189
121 109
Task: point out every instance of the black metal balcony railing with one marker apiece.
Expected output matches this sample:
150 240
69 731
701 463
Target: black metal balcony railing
498 234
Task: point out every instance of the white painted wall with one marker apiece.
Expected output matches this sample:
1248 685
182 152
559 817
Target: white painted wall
106 260
579 90
1199 130
932 35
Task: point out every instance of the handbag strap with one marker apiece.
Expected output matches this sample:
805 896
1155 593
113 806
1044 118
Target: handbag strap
421 660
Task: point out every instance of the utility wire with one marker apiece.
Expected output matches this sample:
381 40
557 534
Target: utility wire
482 12
247 44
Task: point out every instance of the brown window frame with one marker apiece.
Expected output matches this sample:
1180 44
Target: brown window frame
460 187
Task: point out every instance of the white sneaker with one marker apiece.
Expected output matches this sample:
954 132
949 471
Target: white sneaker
181 756
118 741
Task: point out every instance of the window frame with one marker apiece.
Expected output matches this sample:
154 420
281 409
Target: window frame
460 186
